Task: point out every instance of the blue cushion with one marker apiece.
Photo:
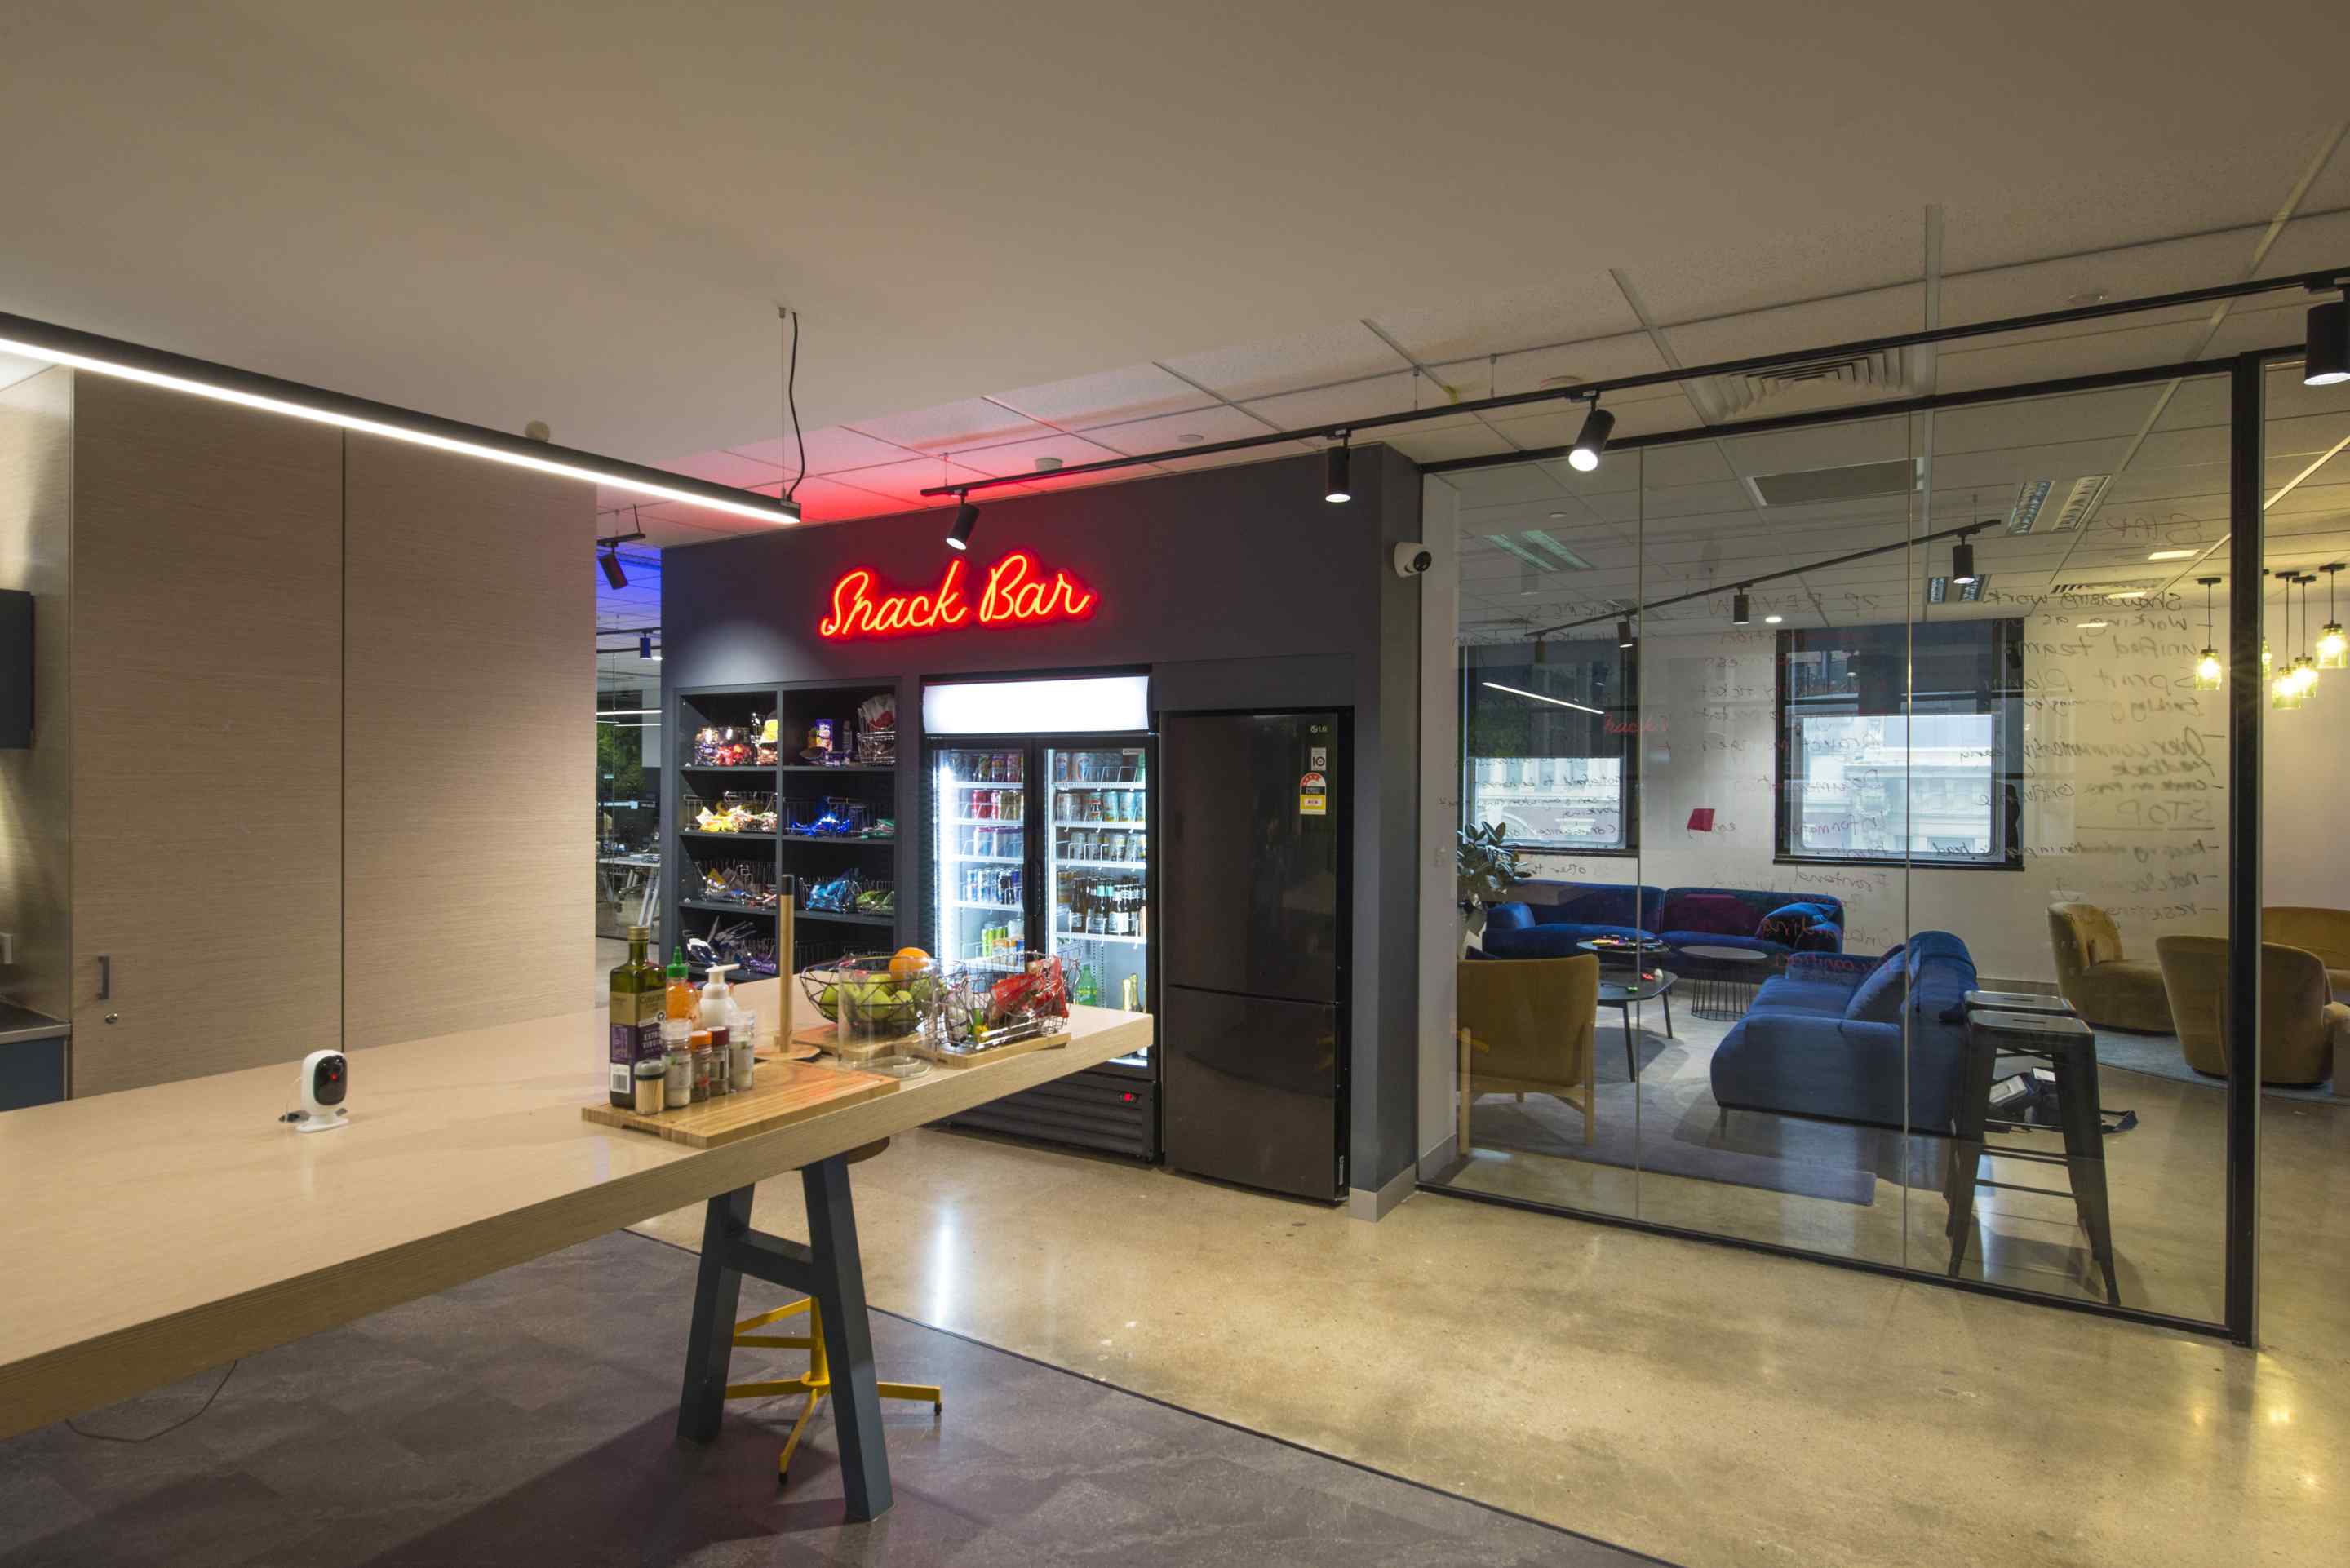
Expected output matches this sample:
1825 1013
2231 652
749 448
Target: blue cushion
1877 998
1509 918
1553 941
1795 994
1823 939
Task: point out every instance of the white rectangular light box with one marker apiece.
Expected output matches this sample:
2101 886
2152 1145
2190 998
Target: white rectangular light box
1091 704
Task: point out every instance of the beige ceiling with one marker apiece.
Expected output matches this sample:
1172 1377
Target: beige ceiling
585 214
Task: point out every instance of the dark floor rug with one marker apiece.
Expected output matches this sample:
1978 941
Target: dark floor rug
529 1418
1672 1127
2159 1056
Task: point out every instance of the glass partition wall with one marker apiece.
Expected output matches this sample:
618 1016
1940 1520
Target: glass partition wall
1866 773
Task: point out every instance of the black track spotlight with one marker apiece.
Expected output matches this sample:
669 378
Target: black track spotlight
645 645
1624 633
1336 465
2325 354
1742 608
1597 426
966 519
1962 562
613 574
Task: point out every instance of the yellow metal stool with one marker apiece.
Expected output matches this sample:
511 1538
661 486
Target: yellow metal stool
816 1381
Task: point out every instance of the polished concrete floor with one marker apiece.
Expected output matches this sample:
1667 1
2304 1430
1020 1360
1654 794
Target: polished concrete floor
530 1419
2165 1180
1708 1405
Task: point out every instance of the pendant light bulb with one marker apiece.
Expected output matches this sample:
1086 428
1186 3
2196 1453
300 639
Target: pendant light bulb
1962 562
1624 633
966 519
1597 426
645 646
2333 646
2210 673
1742 608
613 574
1337 484
2326 353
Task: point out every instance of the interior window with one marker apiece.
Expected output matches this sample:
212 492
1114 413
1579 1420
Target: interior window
1875 767
1549 741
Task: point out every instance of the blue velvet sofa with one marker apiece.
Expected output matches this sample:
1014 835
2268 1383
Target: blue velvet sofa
1824 1038
1556 916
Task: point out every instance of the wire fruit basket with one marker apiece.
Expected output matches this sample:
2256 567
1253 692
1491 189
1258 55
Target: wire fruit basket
997 1002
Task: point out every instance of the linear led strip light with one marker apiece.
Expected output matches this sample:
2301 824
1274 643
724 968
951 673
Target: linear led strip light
246 389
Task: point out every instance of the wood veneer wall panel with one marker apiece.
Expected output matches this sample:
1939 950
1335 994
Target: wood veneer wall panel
206 698
469 741
35 783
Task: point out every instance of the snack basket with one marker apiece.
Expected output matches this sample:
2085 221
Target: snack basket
881 1008
988 1003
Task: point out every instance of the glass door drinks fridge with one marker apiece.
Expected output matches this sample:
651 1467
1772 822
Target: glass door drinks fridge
979 811
1097 872
1043 845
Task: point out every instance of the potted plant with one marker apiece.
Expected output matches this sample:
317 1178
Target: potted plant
1488 870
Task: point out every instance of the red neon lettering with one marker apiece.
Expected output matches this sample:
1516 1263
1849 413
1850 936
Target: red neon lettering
1016 595
1013 595
857 613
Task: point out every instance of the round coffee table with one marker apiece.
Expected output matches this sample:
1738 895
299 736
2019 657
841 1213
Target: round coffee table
1620 954
1623 995
1724 980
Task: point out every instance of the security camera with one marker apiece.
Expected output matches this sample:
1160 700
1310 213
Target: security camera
325 1079
1413 557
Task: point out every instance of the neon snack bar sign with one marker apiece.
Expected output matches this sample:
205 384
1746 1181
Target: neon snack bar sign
1016 593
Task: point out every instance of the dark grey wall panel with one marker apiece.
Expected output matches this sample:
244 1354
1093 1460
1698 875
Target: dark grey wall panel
1239 587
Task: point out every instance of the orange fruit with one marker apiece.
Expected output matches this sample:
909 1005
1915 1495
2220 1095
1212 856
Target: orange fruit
907 964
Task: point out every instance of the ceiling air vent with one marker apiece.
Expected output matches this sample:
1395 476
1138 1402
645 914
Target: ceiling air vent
1816 486
1817 381
2077 505
2104 587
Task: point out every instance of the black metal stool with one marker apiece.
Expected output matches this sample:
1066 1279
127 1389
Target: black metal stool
2068 1046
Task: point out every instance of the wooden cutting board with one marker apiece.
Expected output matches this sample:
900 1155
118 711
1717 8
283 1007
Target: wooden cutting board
782 1093
997 1052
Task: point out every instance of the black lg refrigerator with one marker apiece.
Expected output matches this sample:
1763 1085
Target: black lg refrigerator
1253 949
1044 846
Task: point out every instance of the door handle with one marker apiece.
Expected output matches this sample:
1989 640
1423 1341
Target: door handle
105 977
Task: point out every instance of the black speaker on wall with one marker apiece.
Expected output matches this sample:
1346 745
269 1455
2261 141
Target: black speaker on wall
15 669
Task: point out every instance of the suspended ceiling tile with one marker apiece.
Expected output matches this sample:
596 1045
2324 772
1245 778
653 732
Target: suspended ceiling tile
2129 273
1389 394
725 468
1167 432
1346 352
829 449
2237 181
1565 311
1020 456
1795 328
1595 359
1756 273
2271 321
949 427
1107 396
904 480
2084 350
826 500
1423 444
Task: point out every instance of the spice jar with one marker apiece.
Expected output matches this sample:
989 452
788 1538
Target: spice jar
701 1065
652 1085
744 1034
721 1062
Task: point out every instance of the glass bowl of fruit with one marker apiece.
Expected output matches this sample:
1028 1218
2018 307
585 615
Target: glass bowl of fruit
879 1004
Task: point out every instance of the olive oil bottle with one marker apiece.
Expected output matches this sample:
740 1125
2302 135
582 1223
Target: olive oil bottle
635 1017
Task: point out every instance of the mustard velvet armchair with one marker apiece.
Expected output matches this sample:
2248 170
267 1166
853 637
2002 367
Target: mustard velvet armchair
1526 1028
2103 986
2325 932
2302 1026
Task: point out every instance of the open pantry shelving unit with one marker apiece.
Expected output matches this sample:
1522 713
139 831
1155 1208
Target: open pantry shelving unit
808 800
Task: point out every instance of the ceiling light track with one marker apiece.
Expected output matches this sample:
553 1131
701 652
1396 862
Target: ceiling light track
103 355
1591 391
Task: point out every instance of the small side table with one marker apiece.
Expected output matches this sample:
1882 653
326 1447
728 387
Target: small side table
1723 980
2018 1002
1624 995
2070 1047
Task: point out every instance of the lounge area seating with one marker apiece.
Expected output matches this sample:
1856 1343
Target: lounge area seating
2301 1026
1528 1028
2107 988
1825 1039
1553 917
2325 932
